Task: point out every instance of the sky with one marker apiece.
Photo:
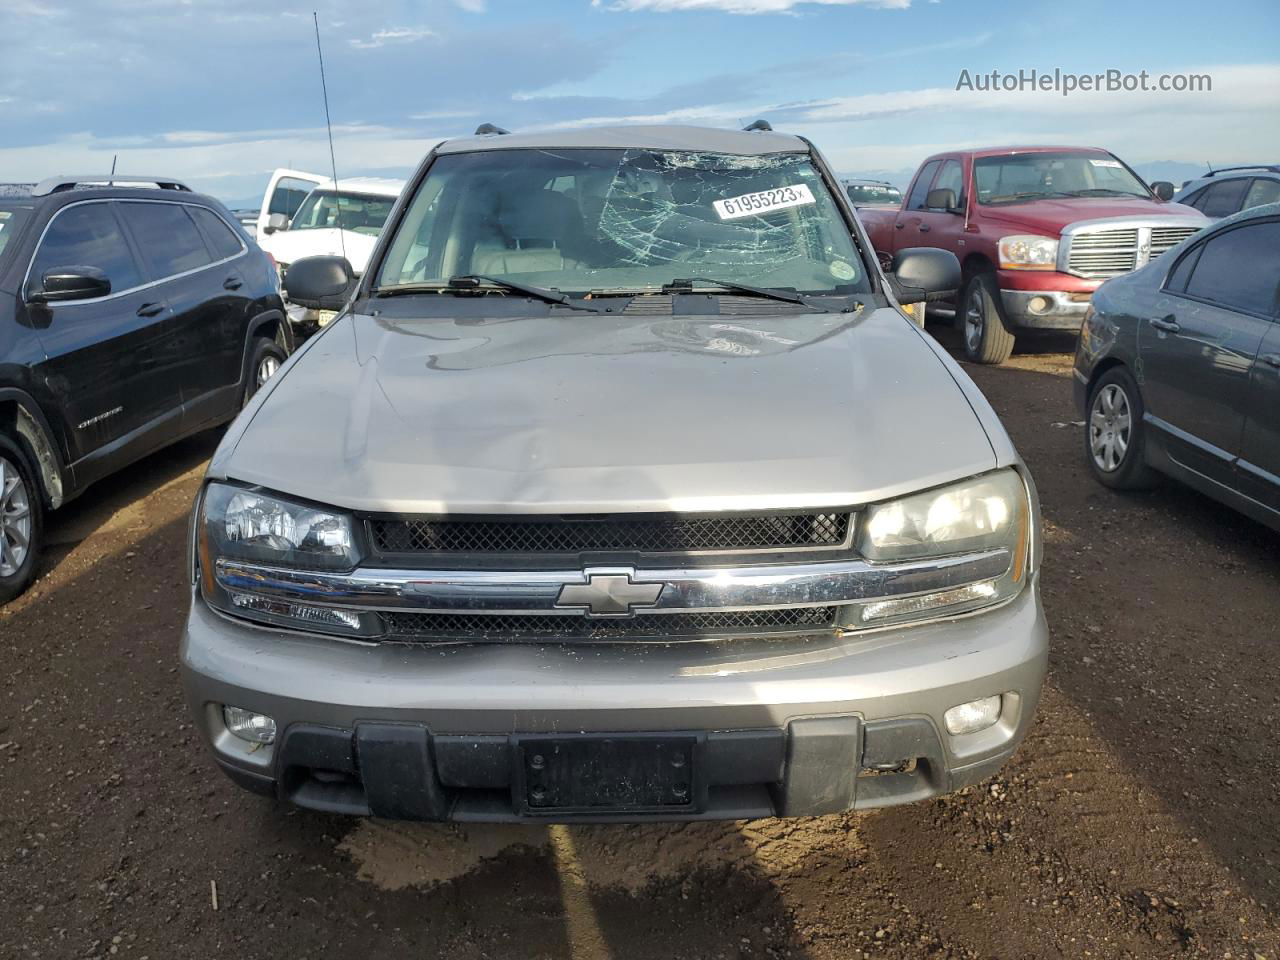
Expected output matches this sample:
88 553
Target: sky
220 92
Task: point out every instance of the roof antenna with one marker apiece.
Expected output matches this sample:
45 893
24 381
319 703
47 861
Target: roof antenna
333 163
114 158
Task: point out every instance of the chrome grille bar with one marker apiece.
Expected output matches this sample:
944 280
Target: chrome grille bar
696 589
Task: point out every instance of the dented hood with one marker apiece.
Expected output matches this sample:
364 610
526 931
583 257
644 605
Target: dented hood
575 412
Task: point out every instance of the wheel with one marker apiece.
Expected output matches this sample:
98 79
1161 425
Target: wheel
264 361
986 339
21 517
1114 433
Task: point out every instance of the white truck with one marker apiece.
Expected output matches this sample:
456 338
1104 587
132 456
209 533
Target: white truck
308 214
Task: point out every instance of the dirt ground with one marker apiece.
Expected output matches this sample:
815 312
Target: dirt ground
1141 818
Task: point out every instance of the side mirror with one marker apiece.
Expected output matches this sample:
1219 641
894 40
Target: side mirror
277 221
922 273
319 283
61 284
944 198
1163 190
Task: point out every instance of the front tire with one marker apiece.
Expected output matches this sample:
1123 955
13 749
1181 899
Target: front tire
986 338
264 362
21 520
1114 433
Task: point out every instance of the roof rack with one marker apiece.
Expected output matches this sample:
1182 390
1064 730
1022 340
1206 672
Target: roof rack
490 129
1269 167
66 182
759 125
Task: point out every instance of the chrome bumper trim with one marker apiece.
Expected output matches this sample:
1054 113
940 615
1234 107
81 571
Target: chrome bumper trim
684 589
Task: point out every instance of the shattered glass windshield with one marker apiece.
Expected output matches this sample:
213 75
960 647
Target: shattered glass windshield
625 220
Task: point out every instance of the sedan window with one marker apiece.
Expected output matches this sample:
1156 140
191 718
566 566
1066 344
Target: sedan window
1240 268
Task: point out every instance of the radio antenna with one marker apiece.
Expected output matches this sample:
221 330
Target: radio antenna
333 163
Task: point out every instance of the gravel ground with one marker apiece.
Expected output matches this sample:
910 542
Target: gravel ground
1140 819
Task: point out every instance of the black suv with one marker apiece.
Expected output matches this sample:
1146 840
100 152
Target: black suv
133 312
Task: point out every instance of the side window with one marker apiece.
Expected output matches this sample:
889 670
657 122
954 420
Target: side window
167 237
952 178
288 195
1262 191
1240 268
1223 199
1177 281
88 234
221 239
921 188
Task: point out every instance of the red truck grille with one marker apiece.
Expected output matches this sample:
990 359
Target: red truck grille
1100 253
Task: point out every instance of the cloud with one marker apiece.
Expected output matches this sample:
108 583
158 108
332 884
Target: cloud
738 6
472 6
381 38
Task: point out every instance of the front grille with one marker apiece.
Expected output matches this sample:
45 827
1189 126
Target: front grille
1100 254
1104 253
411 627
666 533
1166 238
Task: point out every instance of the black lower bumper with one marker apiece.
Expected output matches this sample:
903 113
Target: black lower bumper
812 767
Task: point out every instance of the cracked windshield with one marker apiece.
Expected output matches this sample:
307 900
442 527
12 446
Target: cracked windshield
625 221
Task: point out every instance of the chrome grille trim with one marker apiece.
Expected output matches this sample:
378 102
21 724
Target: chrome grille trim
685 590
1101 249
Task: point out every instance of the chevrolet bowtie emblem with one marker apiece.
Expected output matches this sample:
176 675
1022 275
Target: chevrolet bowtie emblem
609 594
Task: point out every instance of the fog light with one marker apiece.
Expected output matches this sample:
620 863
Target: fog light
247 725
911 606
1039 304
972 716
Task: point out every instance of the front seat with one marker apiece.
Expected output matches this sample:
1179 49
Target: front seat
539 232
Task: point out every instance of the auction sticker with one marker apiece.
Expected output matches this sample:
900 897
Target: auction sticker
764 201
1106 163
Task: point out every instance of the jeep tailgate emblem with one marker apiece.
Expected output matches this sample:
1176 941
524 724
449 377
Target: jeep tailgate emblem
609 594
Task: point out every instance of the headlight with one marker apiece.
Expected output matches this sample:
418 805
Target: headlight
246 525
241 526
1028 252
991 512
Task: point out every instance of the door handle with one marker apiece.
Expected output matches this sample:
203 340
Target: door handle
1271 360
899 225
924 228
232 283
150 309
1167 324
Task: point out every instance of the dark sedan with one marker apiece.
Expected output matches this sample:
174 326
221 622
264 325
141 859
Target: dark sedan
1178 368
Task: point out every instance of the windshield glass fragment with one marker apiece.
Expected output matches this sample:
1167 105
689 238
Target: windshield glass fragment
583 220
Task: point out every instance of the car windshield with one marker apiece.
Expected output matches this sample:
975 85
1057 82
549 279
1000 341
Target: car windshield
1023 177
11 217
624 220
363 213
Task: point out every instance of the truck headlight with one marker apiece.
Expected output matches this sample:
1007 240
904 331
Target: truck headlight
237 525
991 512
1028 252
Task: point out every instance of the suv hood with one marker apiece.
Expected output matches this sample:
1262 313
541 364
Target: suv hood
574 413
1049 217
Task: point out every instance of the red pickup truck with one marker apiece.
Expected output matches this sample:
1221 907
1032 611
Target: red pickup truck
1036 230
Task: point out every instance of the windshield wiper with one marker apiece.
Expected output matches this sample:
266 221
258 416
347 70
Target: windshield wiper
473 283
1027 195
771 293
1104 192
